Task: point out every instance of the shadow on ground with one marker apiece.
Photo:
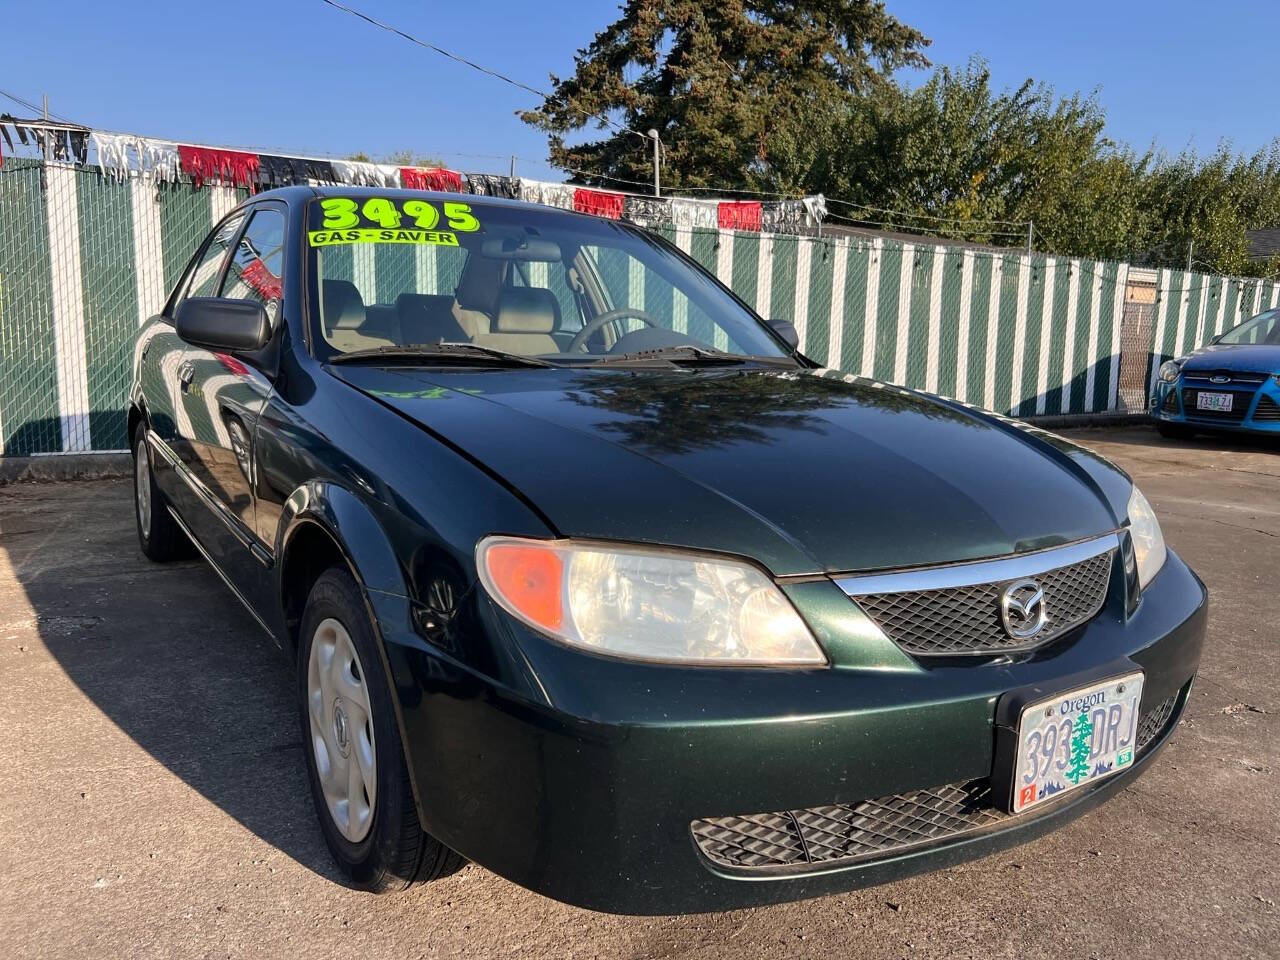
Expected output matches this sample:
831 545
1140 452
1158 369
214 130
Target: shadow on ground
167 654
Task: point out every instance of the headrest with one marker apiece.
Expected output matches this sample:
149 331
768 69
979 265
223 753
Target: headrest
527 310
343 307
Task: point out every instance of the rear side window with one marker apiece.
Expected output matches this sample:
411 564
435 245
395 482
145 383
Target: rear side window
203 281
257 264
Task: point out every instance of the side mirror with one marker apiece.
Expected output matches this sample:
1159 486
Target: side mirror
787 331
223 324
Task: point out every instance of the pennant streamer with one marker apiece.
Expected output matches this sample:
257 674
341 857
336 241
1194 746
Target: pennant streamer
361 174
549 194
231 167
493 185
695 213
739 215
601 203
647 210
431 178
119 156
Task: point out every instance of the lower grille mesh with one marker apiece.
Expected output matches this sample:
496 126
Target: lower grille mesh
872 828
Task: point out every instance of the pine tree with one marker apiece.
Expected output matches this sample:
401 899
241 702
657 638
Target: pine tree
731 86
1081 746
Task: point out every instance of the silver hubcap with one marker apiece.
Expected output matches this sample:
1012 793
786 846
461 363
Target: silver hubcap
142 487
342 730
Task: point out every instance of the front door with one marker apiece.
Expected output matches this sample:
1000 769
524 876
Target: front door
223 399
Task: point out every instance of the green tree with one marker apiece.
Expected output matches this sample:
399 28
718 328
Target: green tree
1081 746
728 84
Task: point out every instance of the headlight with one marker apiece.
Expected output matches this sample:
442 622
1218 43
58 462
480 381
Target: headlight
646 604
1148 541
1169 370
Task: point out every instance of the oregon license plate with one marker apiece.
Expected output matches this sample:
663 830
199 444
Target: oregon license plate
1220 402
1076 738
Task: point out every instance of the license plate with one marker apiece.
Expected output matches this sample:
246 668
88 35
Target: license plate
1075 738
1214 401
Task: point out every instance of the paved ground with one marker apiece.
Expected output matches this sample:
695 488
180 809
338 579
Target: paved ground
152 799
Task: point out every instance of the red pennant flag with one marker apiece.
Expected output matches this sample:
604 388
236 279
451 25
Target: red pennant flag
437 178
231 167
739 215
600 203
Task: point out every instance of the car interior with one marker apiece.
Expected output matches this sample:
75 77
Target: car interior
493 305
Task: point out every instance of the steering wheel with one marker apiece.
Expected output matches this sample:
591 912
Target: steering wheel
580 338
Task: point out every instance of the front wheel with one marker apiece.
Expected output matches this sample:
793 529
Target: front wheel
355 761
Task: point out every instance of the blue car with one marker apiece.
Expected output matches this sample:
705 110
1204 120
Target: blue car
1233 383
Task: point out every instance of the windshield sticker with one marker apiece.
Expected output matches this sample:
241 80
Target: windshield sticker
384 220
327 238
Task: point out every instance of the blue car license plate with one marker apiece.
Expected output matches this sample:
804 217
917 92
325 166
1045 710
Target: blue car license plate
1075 738
1218 402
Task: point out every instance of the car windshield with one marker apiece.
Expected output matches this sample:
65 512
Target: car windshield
1263 329
413 270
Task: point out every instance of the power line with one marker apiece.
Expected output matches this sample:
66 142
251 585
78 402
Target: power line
35 108
426 44
926 216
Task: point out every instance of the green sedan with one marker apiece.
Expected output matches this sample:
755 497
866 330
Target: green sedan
591 578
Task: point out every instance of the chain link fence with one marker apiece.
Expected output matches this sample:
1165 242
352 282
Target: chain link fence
85 259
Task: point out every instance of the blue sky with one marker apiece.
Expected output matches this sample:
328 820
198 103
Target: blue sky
299 76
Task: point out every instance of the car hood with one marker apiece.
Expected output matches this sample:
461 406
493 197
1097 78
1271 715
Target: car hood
1245 358
804 471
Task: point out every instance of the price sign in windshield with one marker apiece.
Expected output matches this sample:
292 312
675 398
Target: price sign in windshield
384 220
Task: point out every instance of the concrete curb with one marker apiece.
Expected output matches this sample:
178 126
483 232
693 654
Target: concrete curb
65 466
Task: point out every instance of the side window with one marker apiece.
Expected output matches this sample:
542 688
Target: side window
204 278
258 261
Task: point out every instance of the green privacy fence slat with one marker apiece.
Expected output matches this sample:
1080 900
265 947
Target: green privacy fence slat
110 303
84 259
29 413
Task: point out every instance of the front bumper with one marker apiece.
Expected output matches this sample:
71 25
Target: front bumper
591 801
1256 408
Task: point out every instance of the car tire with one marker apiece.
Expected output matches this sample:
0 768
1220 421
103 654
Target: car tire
159 535
1174 431
352 741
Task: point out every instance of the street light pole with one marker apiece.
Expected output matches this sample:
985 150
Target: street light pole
657 161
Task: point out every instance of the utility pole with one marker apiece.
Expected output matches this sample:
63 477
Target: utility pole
1191 245
513 166
657 161
1031 232
48 138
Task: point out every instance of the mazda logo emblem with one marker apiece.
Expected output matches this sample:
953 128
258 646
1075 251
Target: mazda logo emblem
1023 610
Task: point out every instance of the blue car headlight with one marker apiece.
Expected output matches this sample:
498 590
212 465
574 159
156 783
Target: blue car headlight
1169 370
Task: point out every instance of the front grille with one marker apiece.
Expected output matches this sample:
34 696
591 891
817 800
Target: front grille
1239 406
966 619
1232 376
796 840
1268 411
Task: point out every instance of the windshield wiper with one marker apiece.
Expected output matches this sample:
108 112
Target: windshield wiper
416 353
690 353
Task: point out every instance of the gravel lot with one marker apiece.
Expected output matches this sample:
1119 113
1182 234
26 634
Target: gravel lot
153 802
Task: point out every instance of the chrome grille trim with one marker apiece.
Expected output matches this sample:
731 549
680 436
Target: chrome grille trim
954 610
975 573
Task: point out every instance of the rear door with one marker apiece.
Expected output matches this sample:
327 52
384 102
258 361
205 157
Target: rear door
223 400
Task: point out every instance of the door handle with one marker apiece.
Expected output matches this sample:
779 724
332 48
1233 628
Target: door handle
185 373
